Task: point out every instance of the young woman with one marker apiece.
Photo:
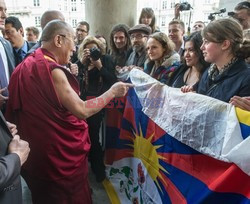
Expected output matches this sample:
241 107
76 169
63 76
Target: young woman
162 59
225 48
147 17
194 64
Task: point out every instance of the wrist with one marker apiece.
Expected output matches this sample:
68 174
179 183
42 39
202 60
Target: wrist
111 94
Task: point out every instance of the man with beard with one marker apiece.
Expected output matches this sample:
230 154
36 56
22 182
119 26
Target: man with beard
139 36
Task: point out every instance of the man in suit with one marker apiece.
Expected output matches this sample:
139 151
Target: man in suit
15 34
13 153
6 58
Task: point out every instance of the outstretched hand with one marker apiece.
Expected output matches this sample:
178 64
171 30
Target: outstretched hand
120 89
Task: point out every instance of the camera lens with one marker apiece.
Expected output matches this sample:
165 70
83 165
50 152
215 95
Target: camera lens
95 53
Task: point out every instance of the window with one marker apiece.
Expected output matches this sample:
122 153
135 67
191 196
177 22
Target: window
65 5
37 21
36 2
207 1
172 4
164 5
74 23
73 5
163 21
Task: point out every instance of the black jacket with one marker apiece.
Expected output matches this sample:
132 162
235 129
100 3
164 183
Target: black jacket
234 81
10 166
95 86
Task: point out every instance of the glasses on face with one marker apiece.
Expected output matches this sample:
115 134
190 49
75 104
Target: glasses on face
64 36
137 36
81 30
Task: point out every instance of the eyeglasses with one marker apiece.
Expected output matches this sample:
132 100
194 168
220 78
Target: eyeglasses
64 36
81 30
138 36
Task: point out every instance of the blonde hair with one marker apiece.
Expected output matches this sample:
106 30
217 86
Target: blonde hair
90 40
228 29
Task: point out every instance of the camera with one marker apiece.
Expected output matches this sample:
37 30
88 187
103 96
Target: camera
185 6
95 53
211 16
231 14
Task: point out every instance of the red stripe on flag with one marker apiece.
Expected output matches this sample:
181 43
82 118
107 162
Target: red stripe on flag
153 128
114 118
219 176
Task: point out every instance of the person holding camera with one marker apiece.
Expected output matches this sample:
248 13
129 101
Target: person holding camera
185 6
96 75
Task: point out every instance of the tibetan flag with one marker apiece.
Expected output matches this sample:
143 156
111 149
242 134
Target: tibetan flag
163 146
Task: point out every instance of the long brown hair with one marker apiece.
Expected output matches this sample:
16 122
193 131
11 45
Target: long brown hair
149 12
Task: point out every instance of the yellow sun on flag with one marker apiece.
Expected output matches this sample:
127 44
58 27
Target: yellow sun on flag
146 152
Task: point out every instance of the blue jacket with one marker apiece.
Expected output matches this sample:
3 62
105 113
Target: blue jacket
234 81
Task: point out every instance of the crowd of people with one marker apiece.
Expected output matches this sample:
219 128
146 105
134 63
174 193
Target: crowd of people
50 87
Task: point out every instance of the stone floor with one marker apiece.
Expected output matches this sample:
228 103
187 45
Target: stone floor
99 194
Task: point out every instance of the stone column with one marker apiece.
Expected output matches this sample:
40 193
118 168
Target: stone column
102 15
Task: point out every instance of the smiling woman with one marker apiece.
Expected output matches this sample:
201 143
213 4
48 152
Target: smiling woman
194 64
225 47
163 60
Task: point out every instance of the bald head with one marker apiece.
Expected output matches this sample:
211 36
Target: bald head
56 27
58 39
51 15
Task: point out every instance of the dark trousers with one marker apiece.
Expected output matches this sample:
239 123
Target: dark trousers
96 153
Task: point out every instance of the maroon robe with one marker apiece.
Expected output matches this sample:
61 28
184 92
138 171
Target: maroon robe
59 141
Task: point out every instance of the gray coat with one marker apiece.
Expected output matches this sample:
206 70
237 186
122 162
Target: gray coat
10 167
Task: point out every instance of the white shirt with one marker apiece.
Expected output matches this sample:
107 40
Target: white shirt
5 61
